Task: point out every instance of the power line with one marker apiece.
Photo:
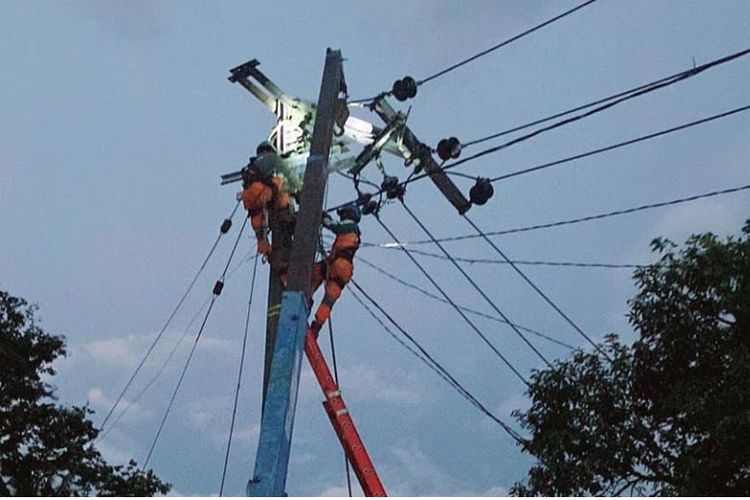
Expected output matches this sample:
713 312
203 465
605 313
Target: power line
217 291
336 378
537 289
176 346
581 155
224 228
578 220
614 146
239 378
518 262
455 306
617 98
505 42
475 285
467 309
428 360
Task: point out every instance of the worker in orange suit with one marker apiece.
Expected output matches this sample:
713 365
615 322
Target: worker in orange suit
267 184
337 269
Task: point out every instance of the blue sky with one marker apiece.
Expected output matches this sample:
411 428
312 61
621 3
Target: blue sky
118 120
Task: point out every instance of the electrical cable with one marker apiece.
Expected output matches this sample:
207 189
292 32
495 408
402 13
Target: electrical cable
455 306
336 378
239 378
537 289
578 220
482 53
505 42
176 346
217 291
581 155
171 317
433 364
518 262
617 98
475 285
467 309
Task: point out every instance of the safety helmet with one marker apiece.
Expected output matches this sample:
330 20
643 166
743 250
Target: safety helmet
351 212
264 147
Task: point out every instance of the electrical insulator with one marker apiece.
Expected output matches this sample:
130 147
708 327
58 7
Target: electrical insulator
449 148
389 183
481 191
218 287
405 88
226 225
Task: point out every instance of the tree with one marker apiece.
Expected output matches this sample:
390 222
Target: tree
45 448
669 414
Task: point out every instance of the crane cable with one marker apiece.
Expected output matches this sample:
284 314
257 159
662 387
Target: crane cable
217 291
455 306
239 377
437 367
226 225
475 285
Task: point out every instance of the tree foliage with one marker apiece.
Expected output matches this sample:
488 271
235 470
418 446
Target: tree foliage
669 414
45 448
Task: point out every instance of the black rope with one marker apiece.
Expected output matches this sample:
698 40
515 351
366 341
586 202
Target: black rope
192 350
432 363
611 100
455 306
467 309
239 378
587 218
475 285
537 289
505 42
166 324
336 378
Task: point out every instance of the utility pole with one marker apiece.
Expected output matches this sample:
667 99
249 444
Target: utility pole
277 422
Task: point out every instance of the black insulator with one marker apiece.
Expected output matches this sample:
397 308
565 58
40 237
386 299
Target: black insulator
449 148
370 208
410 85
226 225
481 191
389 182
404 88
454 147
218 287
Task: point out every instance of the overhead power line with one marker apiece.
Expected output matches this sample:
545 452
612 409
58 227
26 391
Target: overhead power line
467 309
224 228
578 220
217 291
455 306
613 99
469 260
434 365
537 289
475 285
504 43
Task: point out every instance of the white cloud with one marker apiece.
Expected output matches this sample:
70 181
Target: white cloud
117 351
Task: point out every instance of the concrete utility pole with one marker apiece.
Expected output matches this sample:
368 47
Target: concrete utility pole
277 422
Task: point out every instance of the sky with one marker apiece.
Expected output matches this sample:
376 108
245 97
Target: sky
117 120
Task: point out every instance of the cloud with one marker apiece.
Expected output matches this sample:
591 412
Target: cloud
113 351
